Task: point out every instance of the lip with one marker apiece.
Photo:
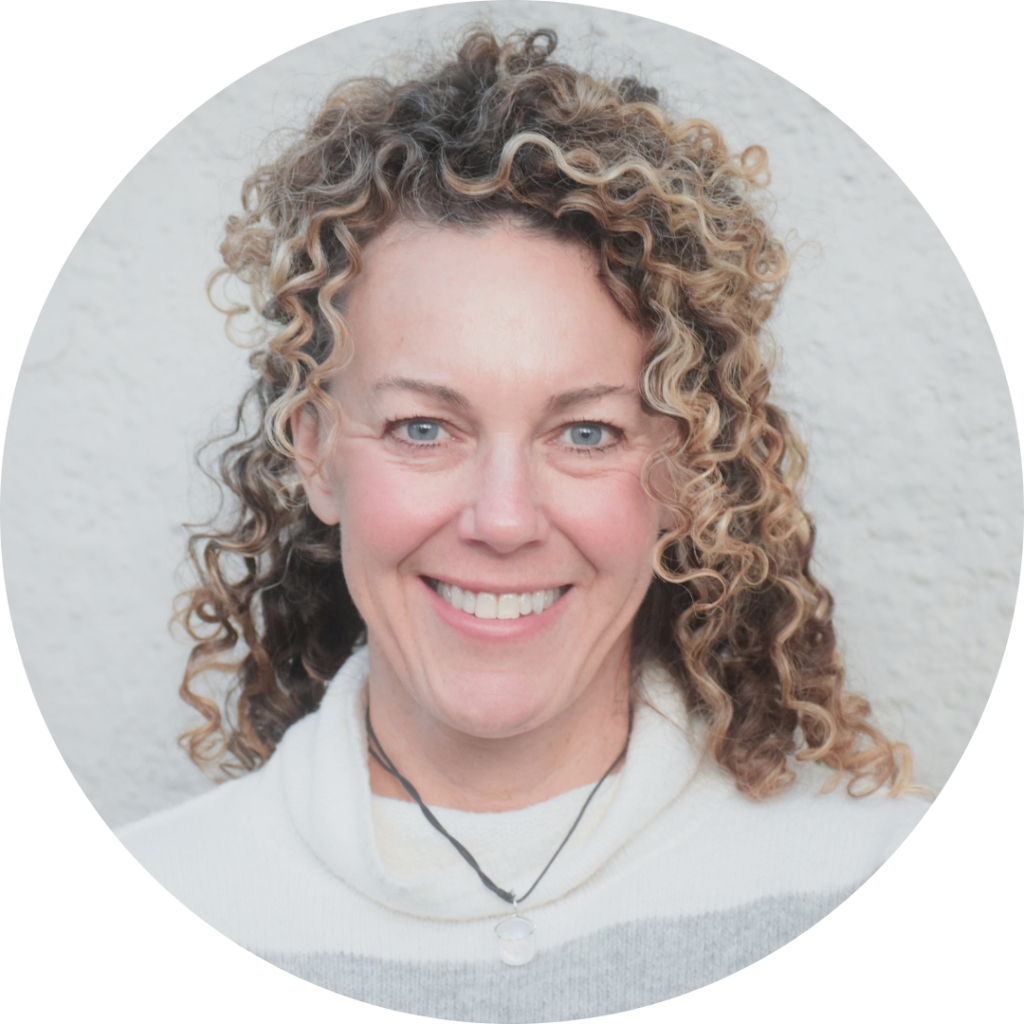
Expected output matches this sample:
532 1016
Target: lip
524 628
491 588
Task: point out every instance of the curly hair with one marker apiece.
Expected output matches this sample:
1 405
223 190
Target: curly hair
677 225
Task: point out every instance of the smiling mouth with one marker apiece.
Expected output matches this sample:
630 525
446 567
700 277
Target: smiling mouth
485 605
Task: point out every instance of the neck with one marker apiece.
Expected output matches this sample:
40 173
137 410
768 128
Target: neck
450 768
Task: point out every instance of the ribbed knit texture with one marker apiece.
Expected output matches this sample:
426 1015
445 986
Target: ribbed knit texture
673 879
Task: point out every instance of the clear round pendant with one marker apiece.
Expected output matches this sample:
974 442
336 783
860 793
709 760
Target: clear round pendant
515 939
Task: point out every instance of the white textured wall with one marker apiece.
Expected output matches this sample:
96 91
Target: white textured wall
887 362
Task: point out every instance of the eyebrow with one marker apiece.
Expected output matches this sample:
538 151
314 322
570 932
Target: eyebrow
449 396
455 399
569 398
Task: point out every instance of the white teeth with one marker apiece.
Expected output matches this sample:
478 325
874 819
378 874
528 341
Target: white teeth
486 605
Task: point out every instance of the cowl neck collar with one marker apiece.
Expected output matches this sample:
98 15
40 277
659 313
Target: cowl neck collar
323 760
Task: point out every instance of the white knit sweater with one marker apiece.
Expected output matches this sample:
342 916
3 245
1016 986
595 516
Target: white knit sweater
672 880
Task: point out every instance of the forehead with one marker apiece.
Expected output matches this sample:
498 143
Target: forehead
503 304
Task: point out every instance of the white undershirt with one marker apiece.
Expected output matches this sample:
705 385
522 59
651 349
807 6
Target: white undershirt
506 844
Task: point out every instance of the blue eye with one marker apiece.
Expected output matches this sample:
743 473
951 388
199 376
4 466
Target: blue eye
422 430
586 435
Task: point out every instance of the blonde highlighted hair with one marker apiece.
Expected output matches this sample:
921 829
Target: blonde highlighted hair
675 221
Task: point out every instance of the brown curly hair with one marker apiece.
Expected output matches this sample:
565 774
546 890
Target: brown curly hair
677 226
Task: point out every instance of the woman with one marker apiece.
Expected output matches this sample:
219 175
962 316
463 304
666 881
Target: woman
517 588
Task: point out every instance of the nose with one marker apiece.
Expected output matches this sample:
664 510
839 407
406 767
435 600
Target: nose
502 510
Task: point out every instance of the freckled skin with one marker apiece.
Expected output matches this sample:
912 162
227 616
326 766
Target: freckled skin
479 333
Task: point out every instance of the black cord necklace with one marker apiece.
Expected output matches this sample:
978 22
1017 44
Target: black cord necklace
514 932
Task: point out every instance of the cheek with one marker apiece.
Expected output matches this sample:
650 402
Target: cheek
614 524
386 511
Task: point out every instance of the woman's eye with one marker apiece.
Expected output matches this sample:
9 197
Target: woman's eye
586 435
421 431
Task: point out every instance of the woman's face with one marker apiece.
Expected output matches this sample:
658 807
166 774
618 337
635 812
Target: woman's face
490 443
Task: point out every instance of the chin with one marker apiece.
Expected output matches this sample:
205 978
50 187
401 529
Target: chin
497 705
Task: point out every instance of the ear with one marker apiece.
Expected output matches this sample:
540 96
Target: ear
305 427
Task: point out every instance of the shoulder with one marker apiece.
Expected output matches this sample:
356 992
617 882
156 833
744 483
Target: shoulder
242 814
813 802
807 836
804 837
193 818
207 829
211 850
214 852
